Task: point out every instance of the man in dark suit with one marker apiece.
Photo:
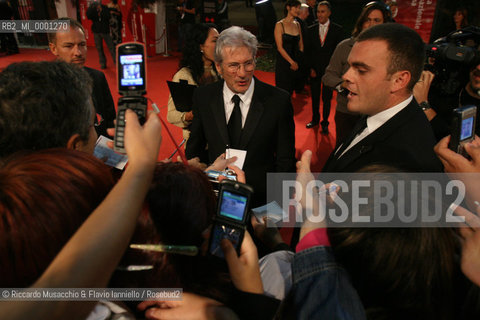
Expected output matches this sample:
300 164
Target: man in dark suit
71 46
321 40
243 113
385 63
100 16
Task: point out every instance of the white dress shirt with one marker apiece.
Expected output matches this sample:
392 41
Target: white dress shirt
322 30
245 100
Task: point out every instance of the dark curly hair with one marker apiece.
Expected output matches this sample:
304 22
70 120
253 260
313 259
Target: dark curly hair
43 104
191 55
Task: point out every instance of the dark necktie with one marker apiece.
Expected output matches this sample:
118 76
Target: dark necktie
235 123
359 127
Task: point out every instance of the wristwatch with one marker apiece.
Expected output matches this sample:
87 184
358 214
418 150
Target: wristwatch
425 105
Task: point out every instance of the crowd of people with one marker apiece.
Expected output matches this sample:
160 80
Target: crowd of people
67 220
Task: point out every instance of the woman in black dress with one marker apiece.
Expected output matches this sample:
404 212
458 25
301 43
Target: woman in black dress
288 38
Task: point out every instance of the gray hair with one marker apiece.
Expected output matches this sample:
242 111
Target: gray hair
235 37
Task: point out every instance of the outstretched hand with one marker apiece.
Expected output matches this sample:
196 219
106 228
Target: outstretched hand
142 143
461 168
470 232
238 172
221 163
244 269
267 232
456 163
191 307
304 177
421 88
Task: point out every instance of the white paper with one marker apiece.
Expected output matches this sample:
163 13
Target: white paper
107 155
240 154
271 210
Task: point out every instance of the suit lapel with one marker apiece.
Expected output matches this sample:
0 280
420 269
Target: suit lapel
253 117
328 35
354 153
348 157
368 143
331 32
316 34
218 111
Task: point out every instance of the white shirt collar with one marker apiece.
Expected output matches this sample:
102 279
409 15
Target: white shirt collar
246 99
247 96
326 24
376 121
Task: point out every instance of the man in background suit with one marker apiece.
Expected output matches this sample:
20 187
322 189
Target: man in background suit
385 63
321 40
243 113
99 14
71 46
312 13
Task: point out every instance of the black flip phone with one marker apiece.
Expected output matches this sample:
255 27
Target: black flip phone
232 216
132 83
463 129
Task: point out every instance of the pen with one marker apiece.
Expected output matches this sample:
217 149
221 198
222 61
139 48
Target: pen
135 268
184 250
175 151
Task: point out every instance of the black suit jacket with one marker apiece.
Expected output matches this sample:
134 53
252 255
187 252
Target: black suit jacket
268 135
102 100
318 57
100 22
405 141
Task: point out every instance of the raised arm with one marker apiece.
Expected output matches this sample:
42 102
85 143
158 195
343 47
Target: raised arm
91 255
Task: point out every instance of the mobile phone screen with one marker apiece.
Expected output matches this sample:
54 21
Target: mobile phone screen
131 71
220 232
233 205
467 128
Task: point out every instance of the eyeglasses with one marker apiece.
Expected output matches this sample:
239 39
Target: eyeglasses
235 66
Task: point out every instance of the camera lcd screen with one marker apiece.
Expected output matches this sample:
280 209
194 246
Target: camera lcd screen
467 128
233 205
131 68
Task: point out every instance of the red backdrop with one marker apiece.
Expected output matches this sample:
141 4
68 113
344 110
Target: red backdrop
418 15
137 25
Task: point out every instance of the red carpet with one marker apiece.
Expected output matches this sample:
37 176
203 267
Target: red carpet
160 69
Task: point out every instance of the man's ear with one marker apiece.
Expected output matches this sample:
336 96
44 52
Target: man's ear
75 142
400 80
53 48
219 68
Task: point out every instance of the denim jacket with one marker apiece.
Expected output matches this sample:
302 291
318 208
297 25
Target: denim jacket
322 289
